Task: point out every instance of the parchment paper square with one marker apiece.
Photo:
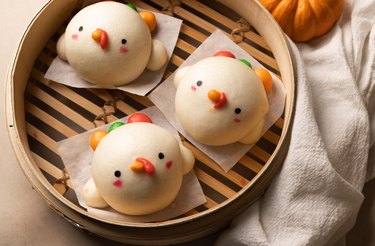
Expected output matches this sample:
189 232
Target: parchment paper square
77 155
164 98
168 30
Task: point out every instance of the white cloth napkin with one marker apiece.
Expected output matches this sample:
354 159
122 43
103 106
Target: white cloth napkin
316 196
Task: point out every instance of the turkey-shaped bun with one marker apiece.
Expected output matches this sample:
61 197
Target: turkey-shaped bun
110 44
221 100
137 169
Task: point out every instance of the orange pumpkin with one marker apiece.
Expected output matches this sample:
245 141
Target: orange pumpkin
303 20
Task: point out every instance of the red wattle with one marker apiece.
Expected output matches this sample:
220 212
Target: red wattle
147 166
103 39
222 101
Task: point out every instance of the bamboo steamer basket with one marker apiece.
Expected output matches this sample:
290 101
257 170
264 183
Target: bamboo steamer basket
40 113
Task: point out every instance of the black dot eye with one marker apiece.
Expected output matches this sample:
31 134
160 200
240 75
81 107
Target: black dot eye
117 173
80 28
237 110
124 41
161 156
199 82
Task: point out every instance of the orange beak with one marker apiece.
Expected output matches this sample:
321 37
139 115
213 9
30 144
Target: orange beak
142 164
101 37
217 97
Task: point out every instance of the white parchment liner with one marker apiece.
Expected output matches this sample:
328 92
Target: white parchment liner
77 155
164 98
167 32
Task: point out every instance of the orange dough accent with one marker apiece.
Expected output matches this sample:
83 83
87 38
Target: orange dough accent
214 95
96 137
96 35
149 18
266 78
136 166
100 36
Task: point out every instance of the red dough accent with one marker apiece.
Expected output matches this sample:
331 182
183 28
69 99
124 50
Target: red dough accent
237 120
222 101
147 166
168 164
100 36
193 88
103 39
139 117
117 183
225 53
74 36
123 49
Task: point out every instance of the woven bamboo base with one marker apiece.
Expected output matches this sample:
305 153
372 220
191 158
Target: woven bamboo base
54 112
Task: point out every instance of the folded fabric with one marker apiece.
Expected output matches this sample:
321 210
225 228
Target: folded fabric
316 196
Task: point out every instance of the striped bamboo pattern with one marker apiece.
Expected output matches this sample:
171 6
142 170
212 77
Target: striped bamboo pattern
55 112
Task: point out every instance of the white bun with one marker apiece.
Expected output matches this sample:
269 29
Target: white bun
108 67
243 90
138 192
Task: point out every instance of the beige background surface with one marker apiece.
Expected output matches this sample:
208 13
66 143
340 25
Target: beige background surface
25 219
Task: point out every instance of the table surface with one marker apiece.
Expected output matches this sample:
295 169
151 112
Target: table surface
25 218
